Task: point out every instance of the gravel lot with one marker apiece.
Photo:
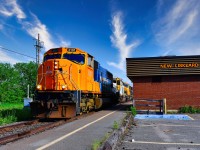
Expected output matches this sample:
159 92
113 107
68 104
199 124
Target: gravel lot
155 134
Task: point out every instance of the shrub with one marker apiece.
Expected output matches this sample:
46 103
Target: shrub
96 144
133 110
9 113
115 125
189 109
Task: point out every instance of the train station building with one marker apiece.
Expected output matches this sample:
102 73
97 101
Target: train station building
176 78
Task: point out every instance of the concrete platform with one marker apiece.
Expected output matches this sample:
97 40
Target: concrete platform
77 135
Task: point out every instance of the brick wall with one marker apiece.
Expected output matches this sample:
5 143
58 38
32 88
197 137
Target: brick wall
178 90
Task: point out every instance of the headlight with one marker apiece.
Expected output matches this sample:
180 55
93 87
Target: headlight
64 86
39 87
56 65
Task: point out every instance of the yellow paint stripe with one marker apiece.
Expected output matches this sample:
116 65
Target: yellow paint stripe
163 143
71 133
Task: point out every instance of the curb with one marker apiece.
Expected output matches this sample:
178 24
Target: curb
115 137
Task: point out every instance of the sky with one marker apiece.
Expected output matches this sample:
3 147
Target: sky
109 30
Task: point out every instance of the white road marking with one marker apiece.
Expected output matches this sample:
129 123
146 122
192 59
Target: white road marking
173 125
168 125
190 117
71 133
163 143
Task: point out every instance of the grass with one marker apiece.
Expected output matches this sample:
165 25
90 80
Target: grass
10 113
97 143
4 106
115 125
133 110
189 109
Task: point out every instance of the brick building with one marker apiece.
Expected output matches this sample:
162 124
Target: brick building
176 78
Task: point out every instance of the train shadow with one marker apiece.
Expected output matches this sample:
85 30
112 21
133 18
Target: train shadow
125 106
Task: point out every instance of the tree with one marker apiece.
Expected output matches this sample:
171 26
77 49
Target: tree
14 81
28 73
9 84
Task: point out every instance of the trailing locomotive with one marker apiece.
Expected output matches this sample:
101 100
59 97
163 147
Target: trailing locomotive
123 90
70 82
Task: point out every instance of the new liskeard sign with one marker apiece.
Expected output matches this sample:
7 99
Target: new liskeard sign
181 65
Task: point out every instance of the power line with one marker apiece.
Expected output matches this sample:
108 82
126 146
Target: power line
17 52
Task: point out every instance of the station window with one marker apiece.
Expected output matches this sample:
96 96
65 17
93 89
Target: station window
156 79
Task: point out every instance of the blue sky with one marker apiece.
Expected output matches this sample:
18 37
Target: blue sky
110 30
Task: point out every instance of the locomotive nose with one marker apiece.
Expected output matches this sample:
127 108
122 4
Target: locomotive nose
46 75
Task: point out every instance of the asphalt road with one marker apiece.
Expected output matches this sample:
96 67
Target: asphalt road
77 135
154 134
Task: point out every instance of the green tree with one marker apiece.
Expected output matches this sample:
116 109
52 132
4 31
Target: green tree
9 84
14 81
27 72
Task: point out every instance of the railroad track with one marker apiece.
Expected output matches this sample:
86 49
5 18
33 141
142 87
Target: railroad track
27 128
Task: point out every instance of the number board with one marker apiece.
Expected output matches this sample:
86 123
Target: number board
71 50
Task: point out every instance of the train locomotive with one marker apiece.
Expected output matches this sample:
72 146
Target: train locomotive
70 82
123 90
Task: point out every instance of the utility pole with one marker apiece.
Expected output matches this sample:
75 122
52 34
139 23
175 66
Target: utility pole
38 46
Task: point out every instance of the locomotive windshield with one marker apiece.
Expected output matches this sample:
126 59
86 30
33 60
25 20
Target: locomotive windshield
77 58
53 56
118 82
126 85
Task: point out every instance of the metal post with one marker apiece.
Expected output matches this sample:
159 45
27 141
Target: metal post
165 106
160 106
28 91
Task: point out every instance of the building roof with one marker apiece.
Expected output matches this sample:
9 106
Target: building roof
165 65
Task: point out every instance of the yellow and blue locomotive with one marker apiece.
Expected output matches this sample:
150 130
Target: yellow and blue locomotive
123 90
70 82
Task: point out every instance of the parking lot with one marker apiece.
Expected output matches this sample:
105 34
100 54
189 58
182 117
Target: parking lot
162 134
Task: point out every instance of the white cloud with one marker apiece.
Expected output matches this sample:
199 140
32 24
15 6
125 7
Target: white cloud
118 39
63 42
10 8
34 27
5 58
177 28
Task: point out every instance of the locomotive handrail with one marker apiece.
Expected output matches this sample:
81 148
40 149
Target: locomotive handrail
76 87
42 75
72 81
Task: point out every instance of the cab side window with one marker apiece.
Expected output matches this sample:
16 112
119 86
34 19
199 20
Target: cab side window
90 61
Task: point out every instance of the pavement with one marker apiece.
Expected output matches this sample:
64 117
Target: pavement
162 134
76 135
